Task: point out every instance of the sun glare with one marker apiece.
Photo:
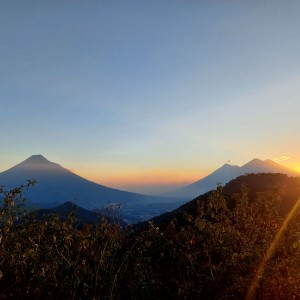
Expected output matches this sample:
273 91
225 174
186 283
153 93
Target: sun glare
296 167
268 256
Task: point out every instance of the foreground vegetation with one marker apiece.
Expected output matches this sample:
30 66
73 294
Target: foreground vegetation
213 253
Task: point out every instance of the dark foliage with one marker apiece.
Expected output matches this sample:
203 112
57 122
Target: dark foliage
211 248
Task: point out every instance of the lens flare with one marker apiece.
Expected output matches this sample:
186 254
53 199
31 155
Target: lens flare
267 257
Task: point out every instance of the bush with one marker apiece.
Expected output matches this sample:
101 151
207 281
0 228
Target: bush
213 254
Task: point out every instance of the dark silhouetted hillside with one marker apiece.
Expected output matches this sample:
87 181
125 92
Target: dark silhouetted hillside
81 215
288 187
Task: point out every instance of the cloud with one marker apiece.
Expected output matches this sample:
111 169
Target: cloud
281 158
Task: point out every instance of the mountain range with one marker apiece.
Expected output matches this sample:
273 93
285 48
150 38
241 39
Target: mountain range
226 173
57 185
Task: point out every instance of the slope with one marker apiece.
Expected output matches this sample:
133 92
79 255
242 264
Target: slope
289 188
56 185
226 173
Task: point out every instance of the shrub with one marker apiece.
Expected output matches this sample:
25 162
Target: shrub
214 253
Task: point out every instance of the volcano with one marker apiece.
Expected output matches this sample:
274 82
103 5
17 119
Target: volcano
56 185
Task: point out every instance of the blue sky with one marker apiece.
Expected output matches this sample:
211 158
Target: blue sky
144 95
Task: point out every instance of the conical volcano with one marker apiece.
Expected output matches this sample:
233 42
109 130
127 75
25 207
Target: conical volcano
56 185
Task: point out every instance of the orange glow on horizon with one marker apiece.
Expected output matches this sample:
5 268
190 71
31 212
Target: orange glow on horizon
296 167
114 178
293 166
127 177
291 163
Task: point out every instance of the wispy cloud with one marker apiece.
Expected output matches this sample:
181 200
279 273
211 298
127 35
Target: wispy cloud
281 158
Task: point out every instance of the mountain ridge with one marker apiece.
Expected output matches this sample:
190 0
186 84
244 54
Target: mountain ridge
288 186
226 173
56 185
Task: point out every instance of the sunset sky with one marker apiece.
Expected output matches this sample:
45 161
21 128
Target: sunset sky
147 95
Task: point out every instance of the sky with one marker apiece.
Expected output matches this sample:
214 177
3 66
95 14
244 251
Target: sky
149 95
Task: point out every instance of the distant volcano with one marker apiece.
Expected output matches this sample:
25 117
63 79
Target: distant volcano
226 173
56 185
